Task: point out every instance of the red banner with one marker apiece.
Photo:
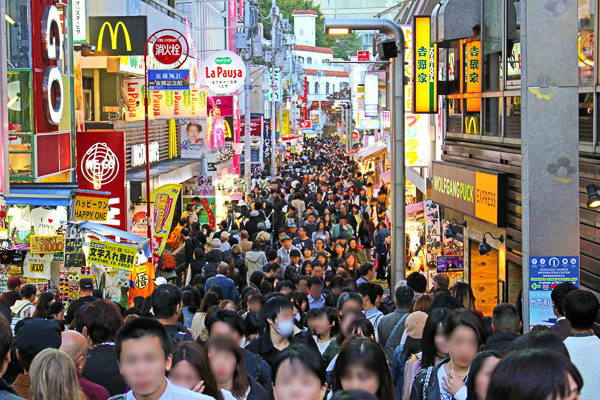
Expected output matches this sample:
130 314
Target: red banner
223 103
101 166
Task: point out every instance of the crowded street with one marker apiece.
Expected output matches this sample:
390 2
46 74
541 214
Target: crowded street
283 200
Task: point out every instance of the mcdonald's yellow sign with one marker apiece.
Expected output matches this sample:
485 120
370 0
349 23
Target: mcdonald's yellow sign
118 36
472 125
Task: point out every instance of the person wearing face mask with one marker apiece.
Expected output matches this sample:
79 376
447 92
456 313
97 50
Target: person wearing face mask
280 333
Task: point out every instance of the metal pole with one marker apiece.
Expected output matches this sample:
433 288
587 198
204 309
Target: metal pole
147 134
273 80
247 127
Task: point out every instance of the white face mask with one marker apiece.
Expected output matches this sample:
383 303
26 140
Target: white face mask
285 328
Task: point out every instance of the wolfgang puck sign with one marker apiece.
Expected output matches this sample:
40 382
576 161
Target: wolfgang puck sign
225 72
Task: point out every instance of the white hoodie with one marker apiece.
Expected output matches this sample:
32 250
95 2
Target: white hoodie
22 309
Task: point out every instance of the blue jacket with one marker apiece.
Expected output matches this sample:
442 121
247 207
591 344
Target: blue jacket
380 241
227 286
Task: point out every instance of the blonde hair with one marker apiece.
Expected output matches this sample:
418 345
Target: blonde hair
53 376
263 237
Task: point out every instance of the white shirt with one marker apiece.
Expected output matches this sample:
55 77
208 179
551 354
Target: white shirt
444 394
174 392
585 353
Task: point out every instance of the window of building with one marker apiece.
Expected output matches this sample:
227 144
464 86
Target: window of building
301 60
332 88
327 88
316 87
325 62
586 14
309 61
344 85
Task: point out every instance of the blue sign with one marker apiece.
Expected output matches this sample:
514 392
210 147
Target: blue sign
169 79
267 140
371 110
544 274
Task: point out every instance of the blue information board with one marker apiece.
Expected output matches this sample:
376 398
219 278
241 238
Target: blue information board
170 79
544 274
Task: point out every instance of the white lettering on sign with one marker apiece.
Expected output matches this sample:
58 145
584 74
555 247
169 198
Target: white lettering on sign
51 43
138 154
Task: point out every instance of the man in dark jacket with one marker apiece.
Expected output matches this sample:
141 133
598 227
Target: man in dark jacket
213 259
252 224
86 289
226 284
198 263
166 305
9 298
6 340
506 325
562 327
231 324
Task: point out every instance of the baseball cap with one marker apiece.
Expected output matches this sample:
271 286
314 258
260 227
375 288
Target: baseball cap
224 235
36 335
86 283
254 213
415 323
13 282
285 237
160 281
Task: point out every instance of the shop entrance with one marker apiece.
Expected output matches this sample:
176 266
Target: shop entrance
484 278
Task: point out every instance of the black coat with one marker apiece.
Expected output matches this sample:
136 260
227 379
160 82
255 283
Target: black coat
257 391
252 225
213 259
500 341
258 369
433 386
102 368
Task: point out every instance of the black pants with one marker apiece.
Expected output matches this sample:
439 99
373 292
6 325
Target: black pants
381 266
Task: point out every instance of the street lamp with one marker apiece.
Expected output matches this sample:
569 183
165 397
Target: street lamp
339 26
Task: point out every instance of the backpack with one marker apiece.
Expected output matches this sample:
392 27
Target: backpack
267 220
175 238
166 262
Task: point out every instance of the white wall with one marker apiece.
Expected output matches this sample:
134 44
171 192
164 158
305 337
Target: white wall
304 29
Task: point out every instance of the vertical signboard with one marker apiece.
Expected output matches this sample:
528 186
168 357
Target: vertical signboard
408 67
417 143
80 19
371 95
472 73
267 140
101 167
425 68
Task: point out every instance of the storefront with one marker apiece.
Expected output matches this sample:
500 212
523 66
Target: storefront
476 201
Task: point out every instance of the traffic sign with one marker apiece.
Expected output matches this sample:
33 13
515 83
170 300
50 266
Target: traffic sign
167 49
363 55
175 79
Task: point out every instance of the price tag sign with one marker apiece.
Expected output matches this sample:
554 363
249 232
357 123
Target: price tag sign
47 244
112 255
15 270
37 267
90 208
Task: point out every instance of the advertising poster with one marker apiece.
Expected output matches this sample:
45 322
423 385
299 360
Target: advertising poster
163 209
163 104
193 138
267 140
112 255
132 91
217 130
139 222
433 229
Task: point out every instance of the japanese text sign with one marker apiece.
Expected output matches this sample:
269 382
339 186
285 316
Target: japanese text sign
225 72
408 67
112 255
425 68
472 73
47 244
177 79
162 216
90 208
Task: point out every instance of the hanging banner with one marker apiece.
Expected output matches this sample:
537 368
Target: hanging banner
285 132
47 244
133 91
193 138
163 105
417 153
217 129
425 68
225 72
472 75
267 139
38 266
163 209
408 67
224 104
90 208
208 211
112 255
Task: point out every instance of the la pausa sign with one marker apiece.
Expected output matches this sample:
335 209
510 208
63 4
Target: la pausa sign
225 72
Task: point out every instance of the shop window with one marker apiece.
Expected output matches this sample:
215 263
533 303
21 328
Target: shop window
586 15
586 117
492 43
513 65
493 116
18 33
512 109
325 62
454 116
301 60
19 124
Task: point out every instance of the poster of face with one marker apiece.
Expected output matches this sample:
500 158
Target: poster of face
193 138
205 186
434 231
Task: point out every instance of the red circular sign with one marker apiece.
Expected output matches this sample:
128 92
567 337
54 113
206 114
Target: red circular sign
354 135
167 49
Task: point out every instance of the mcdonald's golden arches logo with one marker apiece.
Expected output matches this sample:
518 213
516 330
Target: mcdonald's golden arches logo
113 35
472 125
118 36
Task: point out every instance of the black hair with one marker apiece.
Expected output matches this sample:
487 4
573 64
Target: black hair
364 269
102 319
210 299
581 309
369 355
444 300
347 297
541 337
506 318
55 308
274 305
434 320
298 355
285 284
417 282
165 300
271 255
255 323
139 328
198 253
404 296
185 232
533 374
27 291
332 316
270 267
336 281
138 302
469 319
6 338
231 318
368 290
353 395
295 253
474 370
559 293
313 280
411 346
256 277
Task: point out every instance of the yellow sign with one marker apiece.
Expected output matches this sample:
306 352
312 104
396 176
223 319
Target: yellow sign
90 208
114 35
472 73
472 124
425 65
112 255
15 270
486 197
36 280
285 130
37 267
47 244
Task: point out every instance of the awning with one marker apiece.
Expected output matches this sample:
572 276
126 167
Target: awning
41 194
454 19
353 152
375 150
177 170
103 231
411 8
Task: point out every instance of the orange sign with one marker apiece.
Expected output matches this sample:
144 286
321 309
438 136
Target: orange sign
472 74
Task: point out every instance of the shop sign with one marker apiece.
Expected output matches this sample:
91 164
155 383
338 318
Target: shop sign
408 67
139 222
47 243
208 211
90 208
118 36
544 274
371 95
225 72
285 132
193 138
417 142
425 68
255 127
37 267
222 103
133 89
305 125
101 166
138 154
472 73
475 193
175 79
80 20
363 55
112 255
267 140
163 209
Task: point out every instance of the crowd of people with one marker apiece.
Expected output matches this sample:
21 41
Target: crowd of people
290 299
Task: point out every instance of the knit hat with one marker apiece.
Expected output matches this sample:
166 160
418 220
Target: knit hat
415 323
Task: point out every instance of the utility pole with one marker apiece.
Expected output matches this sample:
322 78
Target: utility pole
274 16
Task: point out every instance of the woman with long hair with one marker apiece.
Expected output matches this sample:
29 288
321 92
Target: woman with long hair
190 369
53 376
351 265
466 335
326 327
44 302
322 233
362 365
226 362
337 258
480 375
189 307
353 249
366 234
462 292
298 374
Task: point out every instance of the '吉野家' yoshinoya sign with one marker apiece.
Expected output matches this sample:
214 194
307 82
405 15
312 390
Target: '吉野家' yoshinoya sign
476 193
224 72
